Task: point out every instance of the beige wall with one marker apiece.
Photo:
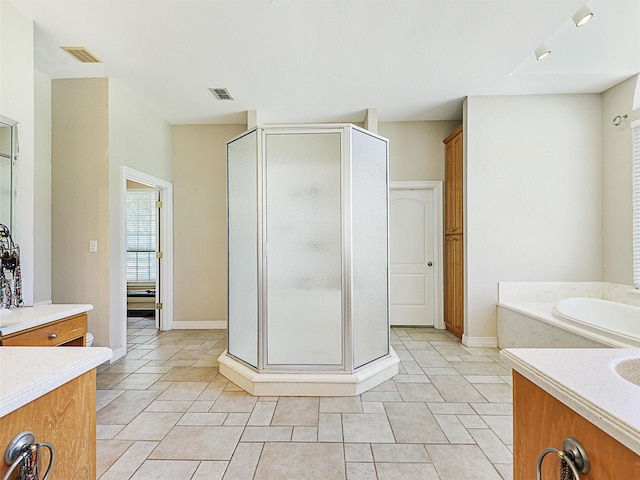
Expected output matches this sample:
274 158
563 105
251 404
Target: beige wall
416 151
42 190
200 221
617 167
80 197
137 186
533 196
97 128
138 137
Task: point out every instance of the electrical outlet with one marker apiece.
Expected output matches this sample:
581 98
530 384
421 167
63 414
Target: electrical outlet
93 246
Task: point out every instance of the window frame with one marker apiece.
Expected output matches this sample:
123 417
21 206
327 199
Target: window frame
145 269
635 138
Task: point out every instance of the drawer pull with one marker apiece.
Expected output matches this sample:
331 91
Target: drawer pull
53 336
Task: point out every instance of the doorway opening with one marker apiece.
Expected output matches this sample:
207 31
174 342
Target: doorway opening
142 240
148 252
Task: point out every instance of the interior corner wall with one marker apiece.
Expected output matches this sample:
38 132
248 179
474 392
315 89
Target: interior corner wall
533 194
617 188
200 221
42 191
139 139
17 103
416 151
80 197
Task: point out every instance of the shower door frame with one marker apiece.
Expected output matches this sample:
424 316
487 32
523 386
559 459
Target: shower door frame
345 214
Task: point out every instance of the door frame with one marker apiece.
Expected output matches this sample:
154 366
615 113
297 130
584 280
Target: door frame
165 190
438 274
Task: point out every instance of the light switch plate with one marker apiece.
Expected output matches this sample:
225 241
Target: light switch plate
93 246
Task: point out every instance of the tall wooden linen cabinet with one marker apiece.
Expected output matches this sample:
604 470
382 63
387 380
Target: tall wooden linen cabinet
454 234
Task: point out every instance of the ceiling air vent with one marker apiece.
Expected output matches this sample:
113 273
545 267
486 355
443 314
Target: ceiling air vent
221 93
82 54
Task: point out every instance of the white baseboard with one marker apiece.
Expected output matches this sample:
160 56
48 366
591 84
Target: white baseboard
479 341
117 354
204 325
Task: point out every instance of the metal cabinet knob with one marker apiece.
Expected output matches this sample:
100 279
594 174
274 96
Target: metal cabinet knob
430 264
53 336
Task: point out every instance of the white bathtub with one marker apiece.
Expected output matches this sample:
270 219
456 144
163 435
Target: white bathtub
570 322
612 320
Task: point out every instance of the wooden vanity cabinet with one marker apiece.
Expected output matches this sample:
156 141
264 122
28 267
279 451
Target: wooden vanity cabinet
541 421
66 418
69 331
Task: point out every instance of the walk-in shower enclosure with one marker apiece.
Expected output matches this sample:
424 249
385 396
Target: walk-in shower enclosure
308 260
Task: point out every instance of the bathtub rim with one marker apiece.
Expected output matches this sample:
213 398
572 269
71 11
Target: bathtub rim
617 334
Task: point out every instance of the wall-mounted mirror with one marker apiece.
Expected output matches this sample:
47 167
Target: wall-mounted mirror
9 174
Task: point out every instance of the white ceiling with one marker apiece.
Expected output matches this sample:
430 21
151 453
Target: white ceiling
329 60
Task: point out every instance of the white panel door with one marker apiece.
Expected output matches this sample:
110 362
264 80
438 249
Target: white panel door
411 231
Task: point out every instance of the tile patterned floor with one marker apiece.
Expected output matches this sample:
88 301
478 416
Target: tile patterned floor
164 412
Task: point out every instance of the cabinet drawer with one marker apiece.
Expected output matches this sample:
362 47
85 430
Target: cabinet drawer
51 334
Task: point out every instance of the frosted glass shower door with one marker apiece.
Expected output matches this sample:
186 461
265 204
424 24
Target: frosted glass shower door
242 190
369 296
303 249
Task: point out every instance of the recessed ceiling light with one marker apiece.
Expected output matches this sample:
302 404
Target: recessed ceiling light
582 16
221 93
542 52
82 54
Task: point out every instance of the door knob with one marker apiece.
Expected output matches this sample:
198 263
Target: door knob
430 264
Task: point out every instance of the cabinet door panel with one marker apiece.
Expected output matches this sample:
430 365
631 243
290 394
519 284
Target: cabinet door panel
453 184
453 284
65 417
540 421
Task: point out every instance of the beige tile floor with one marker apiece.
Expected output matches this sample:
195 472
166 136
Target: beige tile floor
164 412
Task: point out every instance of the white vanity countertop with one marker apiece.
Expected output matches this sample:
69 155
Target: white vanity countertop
585 380
27 373
17 319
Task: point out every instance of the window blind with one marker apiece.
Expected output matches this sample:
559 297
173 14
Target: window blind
141 236
636 203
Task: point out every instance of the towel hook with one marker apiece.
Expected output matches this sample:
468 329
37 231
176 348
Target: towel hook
573 457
